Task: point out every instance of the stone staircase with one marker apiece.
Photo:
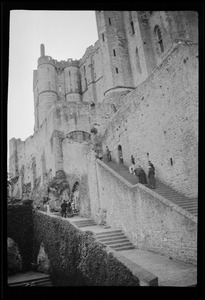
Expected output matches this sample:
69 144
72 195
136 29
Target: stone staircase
190 205
29 279
84 223
115 239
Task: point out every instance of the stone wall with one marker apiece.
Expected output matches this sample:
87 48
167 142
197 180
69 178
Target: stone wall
160 118
93 185
74 164
150 221
45 146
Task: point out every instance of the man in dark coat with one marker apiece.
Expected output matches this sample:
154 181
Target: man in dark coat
151 175
140 173
142 177
132 160
63 209
108 153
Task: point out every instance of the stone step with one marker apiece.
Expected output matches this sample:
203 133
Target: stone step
36 282
107 232
125 248
83 222
186 203
86 225
111 235
121 246
112 239
189 206
116 242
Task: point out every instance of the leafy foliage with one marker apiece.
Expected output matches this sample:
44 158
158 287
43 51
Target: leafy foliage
20 229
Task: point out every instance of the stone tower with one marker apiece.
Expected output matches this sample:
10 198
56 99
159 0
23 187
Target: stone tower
114 49
54 81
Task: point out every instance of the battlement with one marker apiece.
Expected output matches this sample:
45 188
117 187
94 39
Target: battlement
90 50
58 64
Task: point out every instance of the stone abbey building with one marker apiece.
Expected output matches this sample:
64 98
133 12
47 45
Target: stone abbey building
135 90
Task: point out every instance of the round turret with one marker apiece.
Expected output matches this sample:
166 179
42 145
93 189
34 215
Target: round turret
72 84
47 88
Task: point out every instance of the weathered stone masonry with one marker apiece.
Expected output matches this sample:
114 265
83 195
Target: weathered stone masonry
142 76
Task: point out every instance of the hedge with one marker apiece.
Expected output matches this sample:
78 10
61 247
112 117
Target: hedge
20 229
75 257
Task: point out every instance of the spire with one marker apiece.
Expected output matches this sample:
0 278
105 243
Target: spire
42 50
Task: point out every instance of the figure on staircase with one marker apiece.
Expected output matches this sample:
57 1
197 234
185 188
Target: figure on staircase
132 166
108 153
151 175
64 209
140 173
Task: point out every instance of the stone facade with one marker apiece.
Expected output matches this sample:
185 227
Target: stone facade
136 87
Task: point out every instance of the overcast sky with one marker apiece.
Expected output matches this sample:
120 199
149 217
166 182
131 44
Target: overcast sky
65 34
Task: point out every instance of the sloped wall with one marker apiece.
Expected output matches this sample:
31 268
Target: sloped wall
151 223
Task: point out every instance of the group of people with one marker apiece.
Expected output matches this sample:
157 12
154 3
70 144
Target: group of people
99 154
67 209
140 173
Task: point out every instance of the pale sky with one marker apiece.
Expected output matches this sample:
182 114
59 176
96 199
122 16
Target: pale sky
65 34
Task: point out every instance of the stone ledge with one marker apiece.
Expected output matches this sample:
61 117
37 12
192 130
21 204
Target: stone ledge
146 278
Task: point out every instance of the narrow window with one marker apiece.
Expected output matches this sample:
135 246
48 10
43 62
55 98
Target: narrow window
69 73
109 21
159 38
59 88
132 26
138 62
86 84
103 37
116 70
114 52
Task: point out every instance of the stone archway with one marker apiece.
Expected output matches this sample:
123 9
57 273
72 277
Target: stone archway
14 259
43 263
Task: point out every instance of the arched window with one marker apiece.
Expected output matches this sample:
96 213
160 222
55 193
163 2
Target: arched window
138 62
85 78
132 26
158 35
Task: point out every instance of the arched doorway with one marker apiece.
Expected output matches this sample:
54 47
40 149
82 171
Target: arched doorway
75 197
14 259
120 155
